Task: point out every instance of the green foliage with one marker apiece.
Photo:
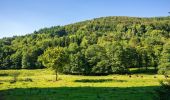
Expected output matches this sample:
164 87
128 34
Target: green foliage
102 45
164 91
96 57
73 48
29 58
164 66
54 58
117 57
76 63
16 59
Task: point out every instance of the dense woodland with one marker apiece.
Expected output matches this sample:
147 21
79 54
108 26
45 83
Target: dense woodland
103 45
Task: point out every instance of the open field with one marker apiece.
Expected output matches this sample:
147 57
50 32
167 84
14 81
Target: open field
40 85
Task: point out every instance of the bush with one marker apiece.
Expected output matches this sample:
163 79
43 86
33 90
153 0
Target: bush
164 68
164 91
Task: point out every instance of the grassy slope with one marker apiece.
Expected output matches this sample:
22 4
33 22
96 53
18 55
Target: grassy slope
42 87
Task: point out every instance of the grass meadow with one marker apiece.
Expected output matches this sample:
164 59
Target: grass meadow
40 85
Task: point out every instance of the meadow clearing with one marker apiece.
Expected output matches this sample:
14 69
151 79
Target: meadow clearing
40 85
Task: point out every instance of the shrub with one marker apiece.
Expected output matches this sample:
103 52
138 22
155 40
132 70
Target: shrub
164 91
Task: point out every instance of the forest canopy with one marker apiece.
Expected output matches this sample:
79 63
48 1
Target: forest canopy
103 45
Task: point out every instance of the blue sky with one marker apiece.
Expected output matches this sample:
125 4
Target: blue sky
19 17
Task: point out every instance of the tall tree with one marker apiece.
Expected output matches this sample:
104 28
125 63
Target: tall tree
117 56
54 58
164 64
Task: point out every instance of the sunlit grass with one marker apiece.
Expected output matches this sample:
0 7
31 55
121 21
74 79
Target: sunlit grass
46 79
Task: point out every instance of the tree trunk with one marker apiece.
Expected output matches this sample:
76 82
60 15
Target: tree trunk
56 76
155 65
146 68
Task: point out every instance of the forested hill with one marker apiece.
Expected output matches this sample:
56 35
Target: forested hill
102 45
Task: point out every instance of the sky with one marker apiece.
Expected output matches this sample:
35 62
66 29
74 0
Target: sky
19 17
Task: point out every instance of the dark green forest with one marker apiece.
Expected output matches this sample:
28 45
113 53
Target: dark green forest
103 45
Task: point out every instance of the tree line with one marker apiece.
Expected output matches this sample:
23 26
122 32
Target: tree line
100 46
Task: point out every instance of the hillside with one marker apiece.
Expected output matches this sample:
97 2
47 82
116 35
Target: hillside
100 46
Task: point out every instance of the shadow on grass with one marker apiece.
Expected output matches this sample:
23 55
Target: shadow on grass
144 71
99 80
3 74
79 93
17 80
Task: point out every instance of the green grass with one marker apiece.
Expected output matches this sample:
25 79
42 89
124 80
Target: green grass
40 85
